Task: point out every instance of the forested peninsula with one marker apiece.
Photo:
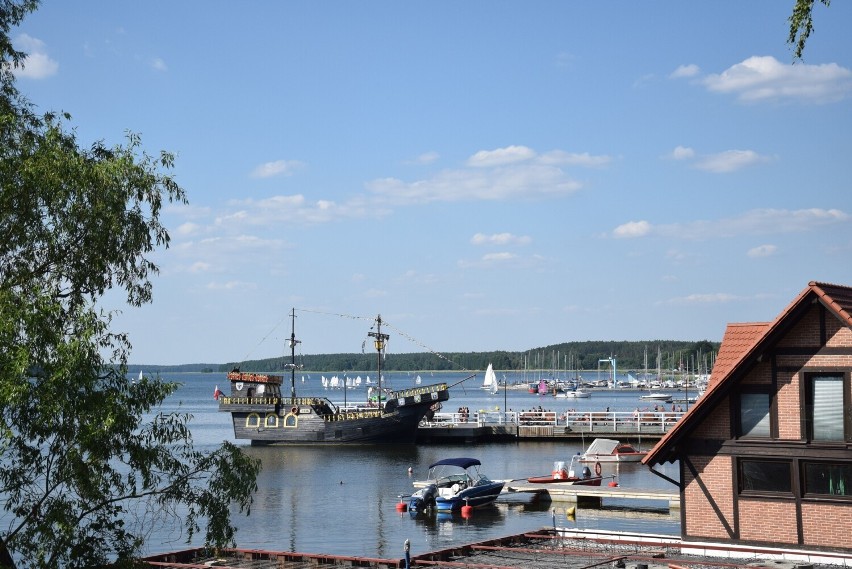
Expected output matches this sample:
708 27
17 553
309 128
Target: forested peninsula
629 355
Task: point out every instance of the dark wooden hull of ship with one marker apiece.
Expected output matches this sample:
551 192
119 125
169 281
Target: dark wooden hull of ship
309 421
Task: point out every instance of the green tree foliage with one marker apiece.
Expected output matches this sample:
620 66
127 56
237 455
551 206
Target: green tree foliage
87 466
801 25
674 354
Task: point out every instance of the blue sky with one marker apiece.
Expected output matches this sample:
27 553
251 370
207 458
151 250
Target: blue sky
486 175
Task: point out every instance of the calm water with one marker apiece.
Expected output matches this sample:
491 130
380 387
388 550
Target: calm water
342 500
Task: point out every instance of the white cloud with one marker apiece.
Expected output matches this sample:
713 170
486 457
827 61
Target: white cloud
682 153
765 78
375 293
729 161
229 244
754 222
426 158
188 228
498 257
710 298
500 239
560 157
276 168
511 178
762 251
500 156
520 181
158 64
632 229
200 267
231 286
565 59
37 64
690 70
503 259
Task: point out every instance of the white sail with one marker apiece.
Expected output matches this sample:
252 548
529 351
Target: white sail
490 381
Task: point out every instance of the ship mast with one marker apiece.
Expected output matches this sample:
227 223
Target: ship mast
379 342
292 365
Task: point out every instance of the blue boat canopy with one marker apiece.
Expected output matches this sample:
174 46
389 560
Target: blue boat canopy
461 462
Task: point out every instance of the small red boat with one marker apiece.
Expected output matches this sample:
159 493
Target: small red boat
563 476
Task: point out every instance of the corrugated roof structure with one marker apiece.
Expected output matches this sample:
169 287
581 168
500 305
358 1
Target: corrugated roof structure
548 548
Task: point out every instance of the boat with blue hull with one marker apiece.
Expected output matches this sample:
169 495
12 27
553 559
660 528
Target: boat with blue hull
453 483
262 414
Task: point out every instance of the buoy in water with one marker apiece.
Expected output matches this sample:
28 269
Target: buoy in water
569 513
467 511
410 470
613 483
401 506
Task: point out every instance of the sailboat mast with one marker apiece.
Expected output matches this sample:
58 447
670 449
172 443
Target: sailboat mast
293 343
379 340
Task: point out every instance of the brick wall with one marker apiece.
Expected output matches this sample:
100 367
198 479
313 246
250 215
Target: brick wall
768 521
806 332
839 336
760 375
827 525
789 409
717 425
714 473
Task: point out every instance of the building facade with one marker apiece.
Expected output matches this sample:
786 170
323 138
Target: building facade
766 454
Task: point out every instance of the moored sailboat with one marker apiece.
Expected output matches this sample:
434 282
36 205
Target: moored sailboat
262 414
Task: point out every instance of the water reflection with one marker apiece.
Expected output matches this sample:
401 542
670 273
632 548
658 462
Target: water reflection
342 500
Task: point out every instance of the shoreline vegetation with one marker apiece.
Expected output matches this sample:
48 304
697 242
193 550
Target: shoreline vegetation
634 356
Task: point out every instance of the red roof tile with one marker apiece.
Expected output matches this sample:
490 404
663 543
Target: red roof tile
736 342
838 298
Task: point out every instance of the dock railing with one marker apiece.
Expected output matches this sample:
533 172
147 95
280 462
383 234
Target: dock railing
595 421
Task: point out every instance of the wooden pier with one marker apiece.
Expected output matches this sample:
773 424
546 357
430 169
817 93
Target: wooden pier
546 425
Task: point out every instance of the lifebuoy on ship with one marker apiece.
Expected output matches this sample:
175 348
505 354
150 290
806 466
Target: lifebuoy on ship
597 469
294 410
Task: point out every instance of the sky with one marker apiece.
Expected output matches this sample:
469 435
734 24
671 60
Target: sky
498 175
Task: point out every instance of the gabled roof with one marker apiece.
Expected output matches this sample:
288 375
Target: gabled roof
742 347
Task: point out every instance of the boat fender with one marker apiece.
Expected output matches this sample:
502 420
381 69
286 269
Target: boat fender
597 469
294 410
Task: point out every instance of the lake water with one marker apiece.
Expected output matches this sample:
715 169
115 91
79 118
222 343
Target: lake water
342 499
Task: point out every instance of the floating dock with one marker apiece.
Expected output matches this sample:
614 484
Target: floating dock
591 496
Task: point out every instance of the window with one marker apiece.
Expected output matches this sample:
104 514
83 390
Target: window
825 405
829 479
765 476
754 415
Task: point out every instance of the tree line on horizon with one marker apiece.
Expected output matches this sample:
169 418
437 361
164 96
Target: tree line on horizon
586 355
